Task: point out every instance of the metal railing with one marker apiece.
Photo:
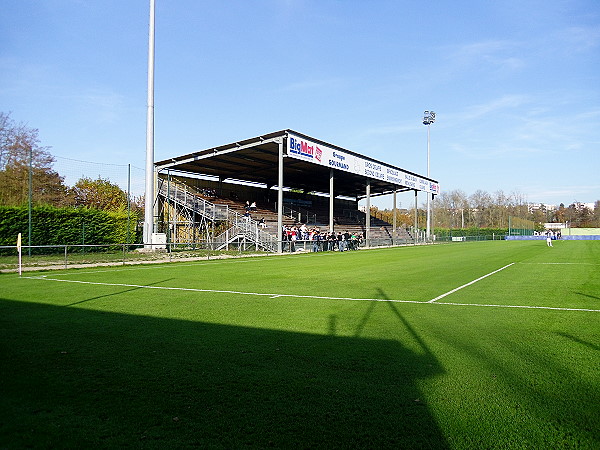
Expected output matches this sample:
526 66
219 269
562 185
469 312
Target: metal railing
299 215
242 228
235 242
188 197
245 229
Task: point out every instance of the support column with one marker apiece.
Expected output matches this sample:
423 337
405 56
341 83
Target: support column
394 228
331 200
416 219
280 198
220 186
170 206
432 217
368 215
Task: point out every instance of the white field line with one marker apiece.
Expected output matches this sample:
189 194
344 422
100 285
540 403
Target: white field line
468 284
219 291
517 306
304 296
561 263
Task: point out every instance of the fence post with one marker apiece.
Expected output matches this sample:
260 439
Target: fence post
66 256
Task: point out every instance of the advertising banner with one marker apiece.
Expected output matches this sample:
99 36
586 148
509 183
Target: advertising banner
306 150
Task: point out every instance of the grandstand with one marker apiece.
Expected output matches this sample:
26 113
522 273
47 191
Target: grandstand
190 213
292 178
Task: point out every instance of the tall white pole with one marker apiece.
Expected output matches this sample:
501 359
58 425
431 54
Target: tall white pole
428 119
428 231
149 200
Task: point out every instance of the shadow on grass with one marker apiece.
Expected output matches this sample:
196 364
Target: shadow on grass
73 377
579 341
594 297
124 291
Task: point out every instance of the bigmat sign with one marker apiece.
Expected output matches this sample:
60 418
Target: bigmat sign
306 150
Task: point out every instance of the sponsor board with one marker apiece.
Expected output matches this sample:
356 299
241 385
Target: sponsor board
316 153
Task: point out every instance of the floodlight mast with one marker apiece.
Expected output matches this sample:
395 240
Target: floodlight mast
149 192
428 119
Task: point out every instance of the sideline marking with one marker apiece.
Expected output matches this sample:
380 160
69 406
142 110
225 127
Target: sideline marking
274 296
556 308
561 263
468 284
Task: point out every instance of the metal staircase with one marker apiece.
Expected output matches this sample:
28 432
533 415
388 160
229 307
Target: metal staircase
190 208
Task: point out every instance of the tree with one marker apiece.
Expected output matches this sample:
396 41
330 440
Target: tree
99 194
582 216
442 210
596 215
20 153
560 215
481 203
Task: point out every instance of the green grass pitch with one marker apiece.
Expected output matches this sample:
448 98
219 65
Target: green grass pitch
470 345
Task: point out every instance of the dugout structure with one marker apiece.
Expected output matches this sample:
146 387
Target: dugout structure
289 161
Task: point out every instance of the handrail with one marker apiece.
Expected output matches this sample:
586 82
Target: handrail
190 199
184 195
298 214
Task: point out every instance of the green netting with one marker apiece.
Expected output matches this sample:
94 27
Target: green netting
520 227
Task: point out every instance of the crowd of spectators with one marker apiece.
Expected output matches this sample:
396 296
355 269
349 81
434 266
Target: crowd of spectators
321 241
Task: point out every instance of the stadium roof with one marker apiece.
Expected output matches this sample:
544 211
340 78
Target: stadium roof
307 164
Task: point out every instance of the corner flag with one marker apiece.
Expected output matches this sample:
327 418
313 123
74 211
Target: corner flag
19 251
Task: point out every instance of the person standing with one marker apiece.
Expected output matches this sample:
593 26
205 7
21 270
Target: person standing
316 241
347 237
548 239
332 240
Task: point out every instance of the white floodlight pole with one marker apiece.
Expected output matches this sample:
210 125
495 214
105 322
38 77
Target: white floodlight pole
428 119
428 230
149 200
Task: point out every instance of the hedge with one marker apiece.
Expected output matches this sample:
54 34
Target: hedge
65 226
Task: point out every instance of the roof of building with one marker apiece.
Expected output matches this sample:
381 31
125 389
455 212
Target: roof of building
256 160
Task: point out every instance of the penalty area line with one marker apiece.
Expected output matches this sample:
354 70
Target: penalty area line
433 300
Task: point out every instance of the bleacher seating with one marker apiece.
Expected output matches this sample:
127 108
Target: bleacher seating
354 225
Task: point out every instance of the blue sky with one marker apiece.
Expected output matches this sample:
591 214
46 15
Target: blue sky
515 84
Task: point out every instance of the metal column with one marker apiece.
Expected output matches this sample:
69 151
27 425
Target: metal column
149 200
394 232
416 219
428 226
368 215
331 200
280 198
